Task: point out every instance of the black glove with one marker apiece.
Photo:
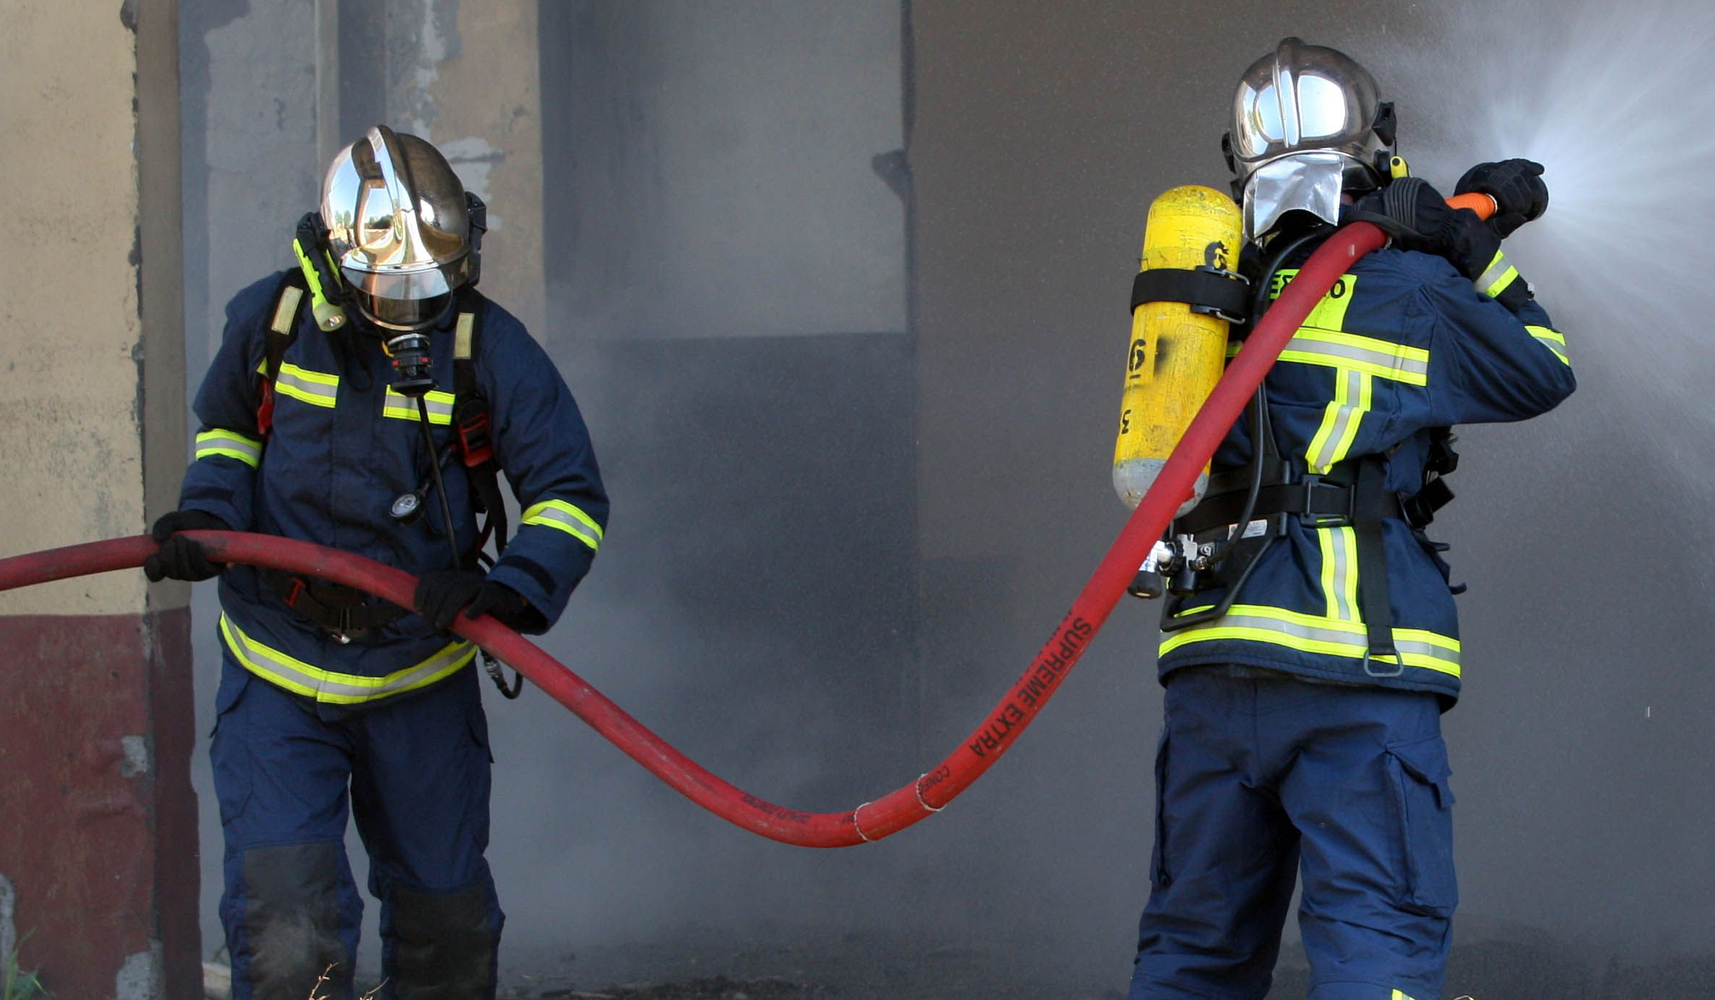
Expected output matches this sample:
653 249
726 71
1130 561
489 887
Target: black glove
179 558
1418 218
441 595
1517 187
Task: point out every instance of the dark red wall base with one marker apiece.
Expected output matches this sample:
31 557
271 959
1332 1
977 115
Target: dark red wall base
98 822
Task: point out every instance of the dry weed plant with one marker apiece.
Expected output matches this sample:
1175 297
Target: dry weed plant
322 980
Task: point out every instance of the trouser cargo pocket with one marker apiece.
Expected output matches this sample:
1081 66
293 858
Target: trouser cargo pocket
1419 771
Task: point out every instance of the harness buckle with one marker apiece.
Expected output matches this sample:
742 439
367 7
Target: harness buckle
476 445
1327 504
342 630
1226 315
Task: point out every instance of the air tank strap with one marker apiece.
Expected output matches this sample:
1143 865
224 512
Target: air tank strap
1206 289
1373 592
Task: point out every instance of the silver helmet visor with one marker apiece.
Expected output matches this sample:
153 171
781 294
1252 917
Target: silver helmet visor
405 300
1309 182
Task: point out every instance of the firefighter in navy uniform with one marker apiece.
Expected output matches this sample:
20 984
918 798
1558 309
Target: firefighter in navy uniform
1306 671
312 427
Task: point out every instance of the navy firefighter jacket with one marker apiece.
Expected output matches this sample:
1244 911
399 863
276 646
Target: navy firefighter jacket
1402 345
343 446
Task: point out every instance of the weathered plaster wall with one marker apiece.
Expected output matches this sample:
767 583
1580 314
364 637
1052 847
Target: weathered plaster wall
464 76
95 728
70 425
255 149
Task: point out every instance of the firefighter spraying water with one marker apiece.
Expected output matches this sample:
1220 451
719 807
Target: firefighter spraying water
1309 643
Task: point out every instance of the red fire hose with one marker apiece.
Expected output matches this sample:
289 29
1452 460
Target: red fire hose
898 809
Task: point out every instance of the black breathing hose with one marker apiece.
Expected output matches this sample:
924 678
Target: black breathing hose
1259 403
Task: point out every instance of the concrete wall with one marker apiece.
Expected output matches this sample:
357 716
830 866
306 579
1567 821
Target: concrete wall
95 728
713 168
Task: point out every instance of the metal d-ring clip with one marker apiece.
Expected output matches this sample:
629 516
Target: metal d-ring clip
1216 311
1398 666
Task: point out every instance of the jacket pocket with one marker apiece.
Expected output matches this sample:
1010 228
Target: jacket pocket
1418 772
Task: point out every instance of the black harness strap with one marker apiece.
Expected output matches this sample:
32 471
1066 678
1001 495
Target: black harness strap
1373 593
343 611
282 331
471 423
1207 290
476 447
1323 502
1353 495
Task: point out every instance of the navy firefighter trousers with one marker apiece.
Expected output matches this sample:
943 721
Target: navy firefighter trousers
1260 777
414 773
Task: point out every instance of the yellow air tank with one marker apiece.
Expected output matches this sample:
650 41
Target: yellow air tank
1177 350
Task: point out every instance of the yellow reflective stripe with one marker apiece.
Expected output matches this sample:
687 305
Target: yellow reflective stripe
231 444
1552 340
1326 636
1399 995
1381 358
1353 392
402 407
569 519
1497 277
1328 314
1340 572
286 308
335 688
315 388
1325 540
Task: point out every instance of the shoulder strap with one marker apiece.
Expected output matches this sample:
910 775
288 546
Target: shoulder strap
470 417
283 328
282 331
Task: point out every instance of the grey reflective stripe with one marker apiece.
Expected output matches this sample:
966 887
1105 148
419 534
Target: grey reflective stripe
1349 412
338 688
564 521
1497 268
1340 544
1313 639
403 407
297 383
229 444
439 409
1421 647
1364 355
1552 340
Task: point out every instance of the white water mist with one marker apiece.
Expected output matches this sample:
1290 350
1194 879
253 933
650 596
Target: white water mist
1616 101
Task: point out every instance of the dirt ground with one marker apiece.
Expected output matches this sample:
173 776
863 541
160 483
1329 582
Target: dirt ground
848 966
877 967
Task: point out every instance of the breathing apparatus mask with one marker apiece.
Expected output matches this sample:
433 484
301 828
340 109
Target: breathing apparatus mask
1308 125
396 238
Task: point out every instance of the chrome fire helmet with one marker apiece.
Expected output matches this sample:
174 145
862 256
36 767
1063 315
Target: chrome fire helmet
1308 122
399 229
